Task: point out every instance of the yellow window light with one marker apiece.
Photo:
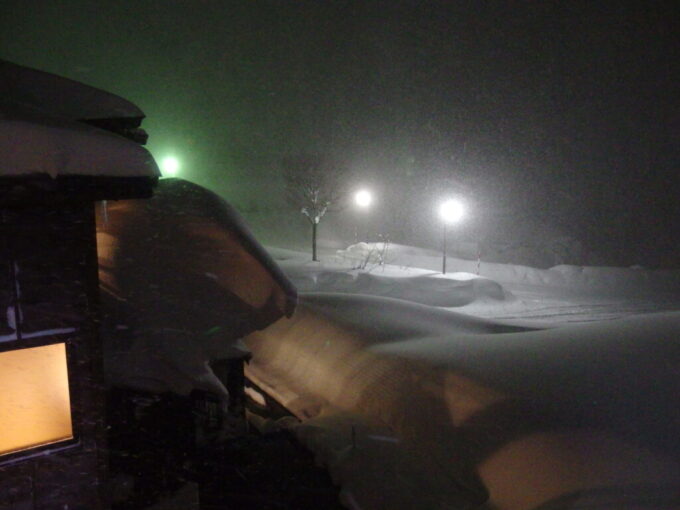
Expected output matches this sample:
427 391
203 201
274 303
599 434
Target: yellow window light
35 407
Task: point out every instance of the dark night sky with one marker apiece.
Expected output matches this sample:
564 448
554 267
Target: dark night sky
562 111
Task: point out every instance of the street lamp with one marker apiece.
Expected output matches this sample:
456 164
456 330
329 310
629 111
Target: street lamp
363 200
451 211
170 166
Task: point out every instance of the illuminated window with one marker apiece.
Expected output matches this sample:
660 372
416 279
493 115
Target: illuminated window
35 408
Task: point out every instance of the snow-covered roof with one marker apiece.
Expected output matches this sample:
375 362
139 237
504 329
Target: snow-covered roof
30 145
45 129
58 96
181 273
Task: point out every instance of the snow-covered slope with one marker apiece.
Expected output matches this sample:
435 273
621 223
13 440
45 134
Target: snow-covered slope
413 405
456 407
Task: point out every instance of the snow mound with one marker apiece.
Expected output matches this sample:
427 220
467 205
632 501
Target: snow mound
355 271
605 372
374 472
638 280
618 278
528 416
386 318
453 291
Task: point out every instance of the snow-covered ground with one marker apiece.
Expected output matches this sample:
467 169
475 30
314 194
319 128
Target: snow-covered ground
427 391
553 296
423 390
418 390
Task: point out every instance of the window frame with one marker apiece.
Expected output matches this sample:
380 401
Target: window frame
59 445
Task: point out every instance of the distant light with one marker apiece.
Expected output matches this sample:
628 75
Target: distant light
170 166
363 198
452 211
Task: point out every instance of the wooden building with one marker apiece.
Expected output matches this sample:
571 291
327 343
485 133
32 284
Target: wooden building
63 146
181 261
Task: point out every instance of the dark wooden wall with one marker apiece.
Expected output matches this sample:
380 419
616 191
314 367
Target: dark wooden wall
51 252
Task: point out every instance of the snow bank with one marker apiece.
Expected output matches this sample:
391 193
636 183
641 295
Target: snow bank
621 374
391 319
452 291
370 465
636 280
564 294
341 275
608 280
476 406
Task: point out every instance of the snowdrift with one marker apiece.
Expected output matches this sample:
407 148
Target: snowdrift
343 274
392 319
458 290
563 294
458 408
637 280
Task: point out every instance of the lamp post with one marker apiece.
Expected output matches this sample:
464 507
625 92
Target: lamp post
363 200
451 211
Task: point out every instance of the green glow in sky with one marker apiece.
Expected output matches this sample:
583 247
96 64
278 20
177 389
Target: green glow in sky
170 166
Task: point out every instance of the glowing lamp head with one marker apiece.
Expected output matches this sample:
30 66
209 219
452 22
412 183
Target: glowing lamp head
363 198
451 211
170 166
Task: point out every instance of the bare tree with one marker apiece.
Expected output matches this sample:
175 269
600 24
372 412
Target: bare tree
313 185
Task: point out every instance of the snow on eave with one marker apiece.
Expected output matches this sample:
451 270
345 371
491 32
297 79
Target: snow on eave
178 195
34 145
54 95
